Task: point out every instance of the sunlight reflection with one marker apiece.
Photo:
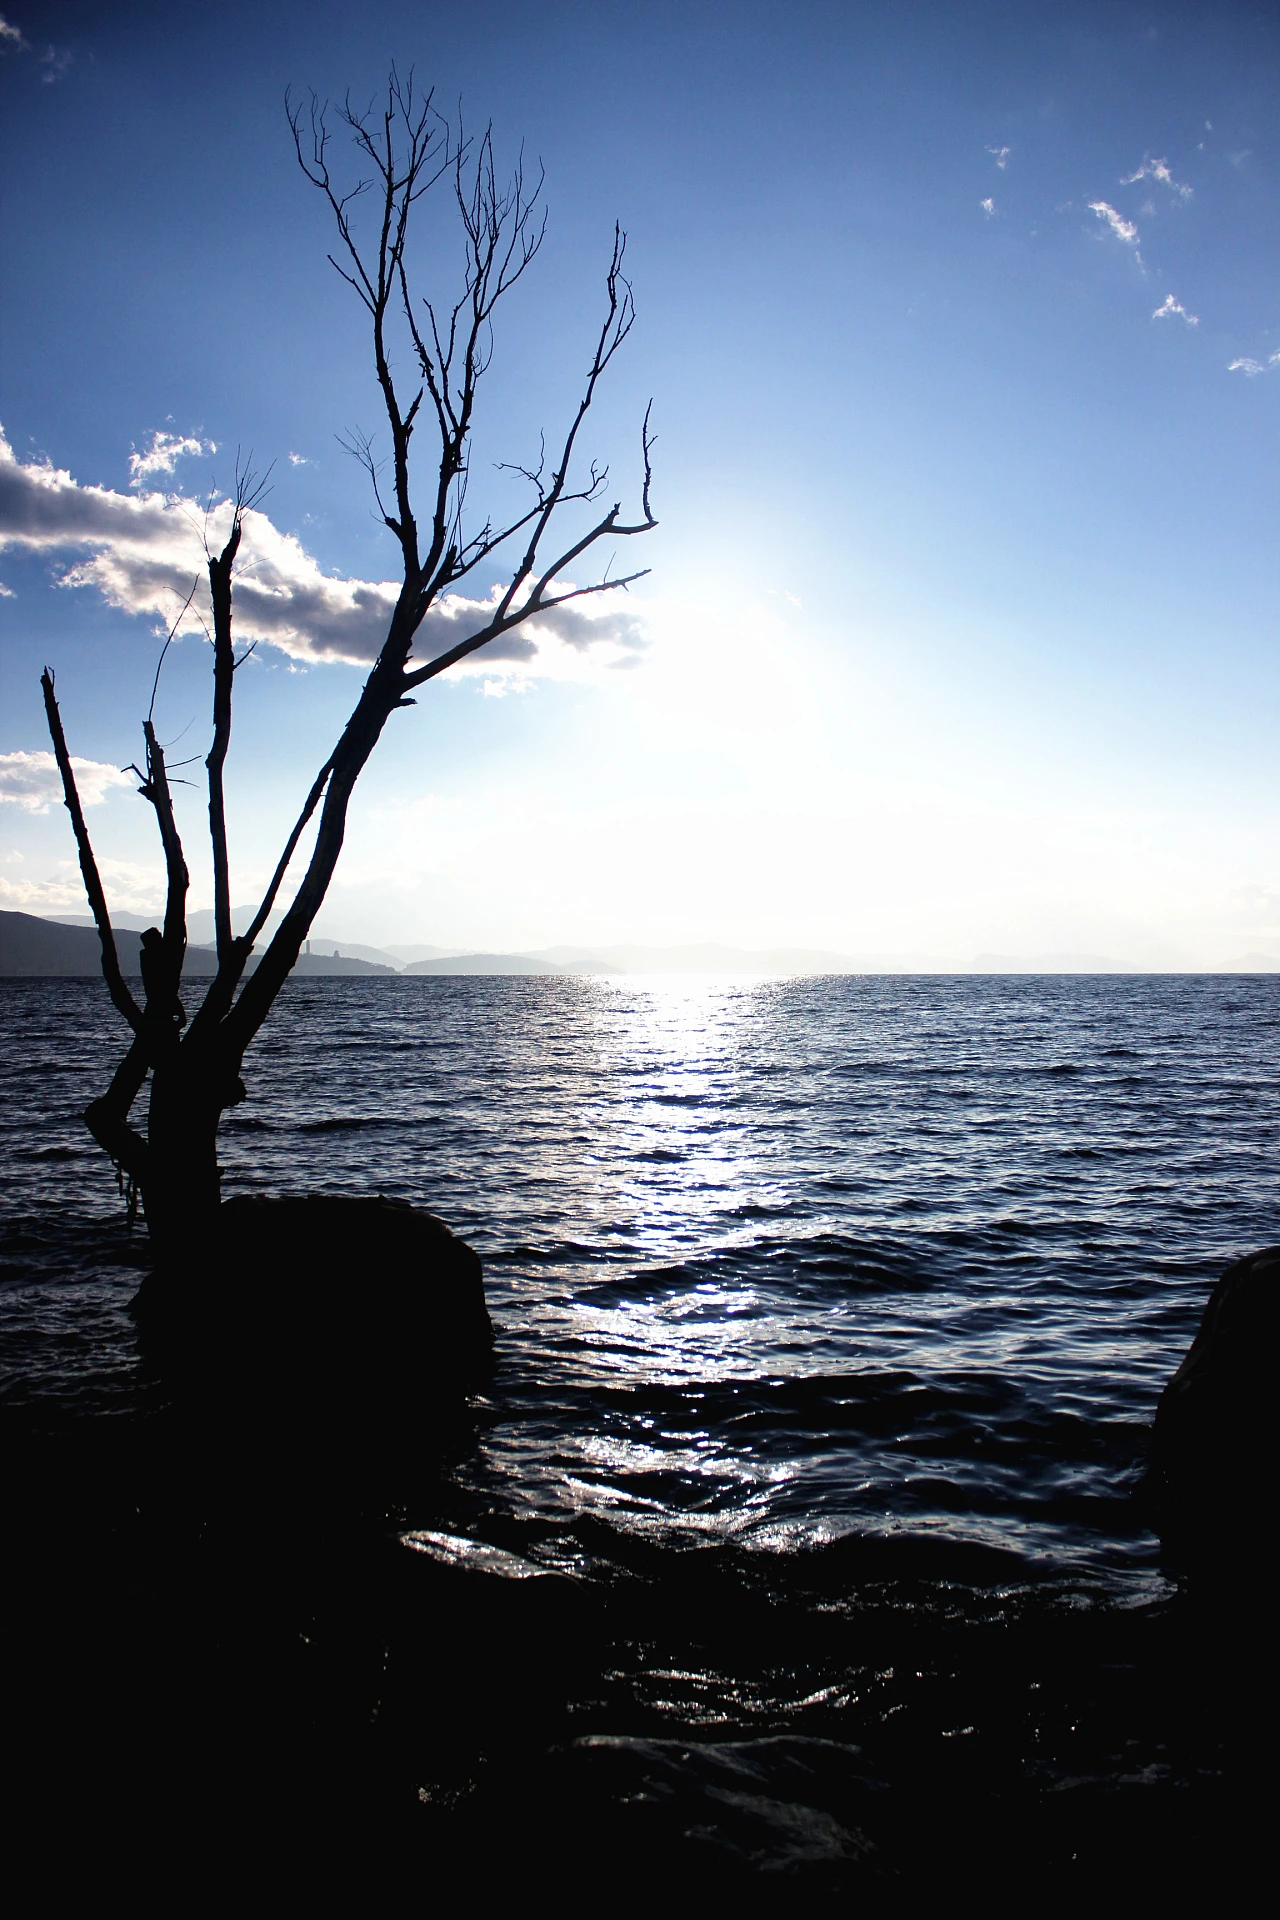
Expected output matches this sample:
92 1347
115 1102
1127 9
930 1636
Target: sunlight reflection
671 1152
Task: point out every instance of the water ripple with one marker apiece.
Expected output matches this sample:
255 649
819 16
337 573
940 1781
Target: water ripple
780 1258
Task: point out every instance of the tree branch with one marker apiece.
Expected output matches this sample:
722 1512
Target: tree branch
343 768
402 177
224 666
155 788
217 1002
121 997
107 1118
115 1136
501 243
498 627
263 914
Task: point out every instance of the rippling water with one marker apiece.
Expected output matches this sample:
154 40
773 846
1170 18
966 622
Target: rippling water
773 1260
831 1318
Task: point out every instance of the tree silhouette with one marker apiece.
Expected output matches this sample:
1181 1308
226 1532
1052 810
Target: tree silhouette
405 150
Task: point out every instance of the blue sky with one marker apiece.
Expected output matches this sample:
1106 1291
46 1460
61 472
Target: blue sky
958 323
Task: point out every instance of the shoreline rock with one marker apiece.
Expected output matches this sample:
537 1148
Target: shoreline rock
1212 1457
356 1301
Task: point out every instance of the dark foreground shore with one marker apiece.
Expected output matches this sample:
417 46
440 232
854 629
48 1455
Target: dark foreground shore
225 1658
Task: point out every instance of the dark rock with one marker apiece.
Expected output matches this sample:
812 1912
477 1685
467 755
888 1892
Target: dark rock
1213 1445
351 1301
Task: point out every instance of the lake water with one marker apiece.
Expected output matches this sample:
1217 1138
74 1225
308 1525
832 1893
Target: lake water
781 1268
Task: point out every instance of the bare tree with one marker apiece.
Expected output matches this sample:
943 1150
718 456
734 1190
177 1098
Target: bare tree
405 150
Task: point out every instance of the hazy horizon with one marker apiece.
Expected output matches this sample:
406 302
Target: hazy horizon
697 955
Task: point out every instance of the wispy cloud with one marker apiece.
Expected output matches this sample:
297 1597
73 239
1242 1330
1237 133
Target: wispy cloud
1156 170
1000 155
143 550
1251 368
989 207
164 453
1123 229
299 460
55 61
1170 309
31 780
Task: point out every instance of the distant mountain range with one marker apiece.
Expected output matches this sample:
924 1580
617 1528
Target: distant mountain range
50 949
505 963
46 947
200 927
35 947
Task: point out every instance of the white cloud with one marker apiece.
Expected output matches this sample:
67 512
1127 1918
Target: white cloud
989 207
1000 155
11 38
131 888
299 460
1250 367
1169 308
164 453
1123 229
144 550
1157 170
31 780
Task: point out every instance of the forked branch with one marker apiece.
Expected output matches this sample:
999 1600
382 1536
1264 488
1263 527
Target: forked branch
539 598
502 240
403 150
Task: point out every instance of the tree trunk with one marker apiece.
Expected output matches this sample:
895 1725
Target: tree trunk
181 1191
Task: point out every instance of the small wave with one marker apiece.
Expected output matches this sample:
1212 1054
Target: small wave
552 1253
825 1259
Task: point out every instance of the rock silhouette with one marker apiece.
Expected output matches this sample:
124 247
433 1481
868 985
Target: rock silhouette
1213 1445
354 1304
